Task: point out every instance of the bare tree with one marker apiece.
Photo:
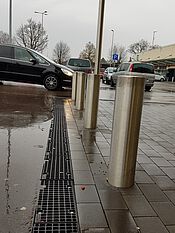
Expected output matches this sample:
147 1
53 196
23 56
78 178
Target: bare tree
117 49
4 38
156 46
61 52
32 35
89 52
139 47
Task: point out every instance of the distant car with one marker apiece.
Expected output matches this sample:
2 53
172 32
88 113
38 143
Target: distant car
136 67
159 78
19 64
107 74
102 70
79 64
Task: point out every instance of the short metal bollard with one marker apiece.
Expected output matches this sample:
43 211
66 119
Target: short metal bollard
125 130
91 102
81 80
74 86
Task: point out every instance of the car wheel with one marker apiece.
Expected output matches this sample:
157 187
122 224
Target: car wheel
161 79
147 88
51 82
112 83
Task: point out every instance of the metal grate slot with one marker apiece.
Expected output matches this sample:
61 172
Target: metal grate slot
58 168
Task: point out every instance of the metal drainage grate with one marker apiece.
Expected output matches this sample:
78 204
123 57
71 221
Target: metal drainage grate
56 210
56 202
55 228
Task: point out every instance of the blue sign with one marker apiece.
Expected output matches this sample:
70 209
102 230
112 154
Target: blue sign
115 57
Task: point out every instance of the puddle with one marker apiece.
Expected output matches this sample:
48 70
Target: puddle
24 126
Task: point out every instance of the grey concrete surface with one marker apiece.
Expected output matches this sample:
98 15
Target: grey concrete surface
149 204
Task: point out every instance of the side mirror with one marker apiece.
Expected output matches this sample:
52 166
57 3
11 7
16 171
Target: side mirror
34 61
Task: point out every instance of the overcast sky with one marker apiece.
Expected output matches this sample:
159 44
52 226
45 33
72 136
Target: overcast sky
75 21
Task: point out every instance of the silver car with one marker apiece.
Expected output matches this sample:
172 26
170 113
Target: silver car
79 64
136 67
107 74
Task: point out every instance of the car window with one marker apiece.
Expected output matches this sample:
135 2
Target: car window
6 51
143 68
22 55
123 67
111 70
79 63
40 59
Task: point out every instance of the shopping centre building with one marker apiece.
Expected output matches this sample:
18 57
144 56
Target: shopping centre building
163 59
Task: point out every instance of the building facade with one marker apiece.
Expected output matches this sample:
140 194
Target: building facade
163 59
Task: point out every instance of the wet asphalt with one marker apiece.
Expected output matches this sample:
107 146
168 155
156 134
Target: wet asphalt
25 116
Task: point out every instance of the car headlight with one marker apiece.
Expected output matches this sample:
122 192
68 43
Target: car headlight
67 72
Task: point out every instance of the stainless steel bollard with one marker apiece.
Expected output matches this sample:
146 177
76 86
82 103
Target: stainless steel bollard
91 103
81 80
74 86
126 127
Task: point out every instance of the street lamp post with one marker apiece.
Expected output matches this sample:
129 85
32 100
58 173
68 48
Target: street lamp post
154 32
99 36
42 18
112 45
10 21
93 80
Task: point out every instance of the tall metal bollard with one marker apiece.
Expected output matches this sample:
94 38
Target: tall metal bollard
126 127
74 86
91 103
81 80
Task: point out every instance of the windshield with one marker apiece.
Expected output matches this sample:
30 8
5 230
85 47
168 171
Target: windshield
79 62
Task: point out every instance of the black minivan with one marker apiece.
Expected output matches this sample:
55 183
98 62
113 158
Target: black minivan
20 64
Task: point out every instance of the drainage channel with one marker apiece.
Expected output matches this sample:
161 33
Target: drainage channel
56 210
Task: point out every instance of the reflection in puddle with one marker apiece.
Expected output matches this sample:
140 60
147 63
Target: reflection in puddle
24 125
8 171
20 110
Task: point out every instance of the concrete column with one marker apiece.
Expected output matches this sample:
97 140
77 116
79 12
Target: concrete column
125 130
81 80
91 103
74 86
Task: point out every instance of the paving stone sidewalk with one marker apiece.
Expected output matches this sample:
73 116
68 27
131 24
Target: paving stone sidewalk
150 203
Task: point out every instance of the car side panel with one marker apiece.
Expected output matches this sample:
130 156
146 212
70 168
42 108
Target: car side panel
27 72
4 68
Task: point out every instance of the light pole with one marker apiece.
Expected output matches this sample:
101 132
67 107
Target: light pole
112 45
42 18
10 21
99 36
154 32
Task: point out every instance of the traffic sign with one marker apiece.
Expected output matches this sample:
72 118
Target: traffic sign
115 56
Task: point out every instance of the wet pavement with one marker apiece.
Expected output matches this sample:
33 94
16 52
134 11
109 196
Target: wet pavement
147 207
25 116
